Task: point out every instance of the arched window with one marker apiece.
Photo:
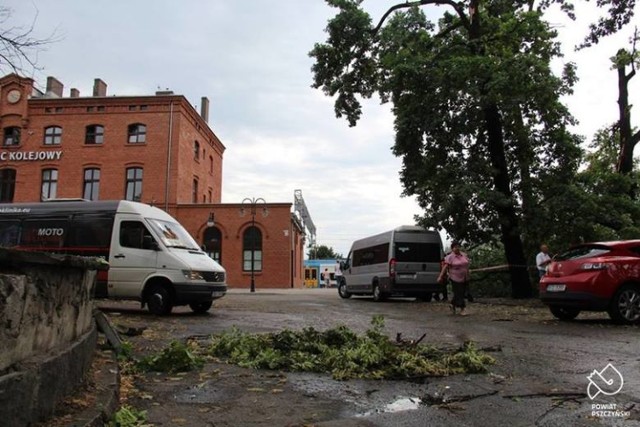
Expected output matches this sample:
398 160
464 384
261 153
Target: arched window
91 189
196 150
94 134
11 136
194 191
133 184
252 249
213 243
49 188
137 133
52 135
7 184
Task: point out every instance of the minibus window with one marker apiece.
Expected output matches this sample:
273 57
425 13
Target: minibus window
48 233
372 255
417 252
132 234
9 233
90 233
173 235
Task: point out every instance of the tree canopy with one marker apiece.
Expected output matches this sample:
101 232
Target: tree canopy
322 252
483 135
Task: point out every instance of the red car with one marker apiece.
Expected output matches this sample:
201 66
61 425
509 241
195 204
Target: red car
602 276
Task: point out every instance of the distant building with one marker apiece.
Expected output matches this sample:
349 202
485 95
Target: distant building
155 149
313 269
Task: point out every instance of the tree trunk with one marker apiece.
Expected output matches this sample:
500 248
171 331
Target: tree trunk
627 139
509 223
524 156
507 216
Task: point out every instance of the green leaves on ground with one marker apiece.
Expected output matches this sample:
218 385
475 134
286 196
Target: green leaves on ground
128 416
178 357
345 354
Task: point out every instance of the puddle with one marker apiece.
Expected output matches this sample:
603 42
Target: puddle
204 393
403 404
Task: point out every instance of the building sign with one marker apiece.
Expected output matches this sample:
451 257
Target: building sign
27 156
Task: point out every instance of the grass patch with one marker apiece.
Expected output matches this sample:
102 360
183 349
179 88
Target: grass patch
345 354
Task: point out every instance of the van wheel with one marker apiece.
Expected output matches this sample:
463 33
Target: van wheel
625 306
564 313
377 293
201 307
342 290
159 301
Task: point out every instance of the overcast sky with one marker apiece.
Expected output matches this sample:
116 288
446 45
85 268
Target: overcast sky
250 58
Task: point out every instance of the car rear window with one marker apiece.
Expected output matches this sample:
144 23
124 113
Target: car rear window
581 252
418 252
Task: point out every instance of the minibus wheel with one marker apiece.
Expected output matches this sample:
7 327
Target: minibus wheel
201 307
159 300
342 290
377 293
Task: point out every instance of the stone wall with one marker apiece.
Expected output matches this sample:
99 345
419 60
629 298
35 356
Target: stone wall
47 331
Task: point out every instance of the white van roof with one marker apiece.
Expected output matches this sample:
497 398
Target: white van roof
412 228
387 236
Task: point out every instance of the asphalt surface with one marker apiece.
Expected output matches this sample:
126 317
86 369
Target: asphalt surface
540 377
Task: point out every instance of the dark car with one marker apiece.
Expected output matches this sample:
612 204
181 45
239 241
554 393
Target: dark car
602 276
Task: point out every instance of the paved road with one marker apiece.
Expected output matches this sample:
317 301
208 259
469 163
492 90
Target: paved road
540 377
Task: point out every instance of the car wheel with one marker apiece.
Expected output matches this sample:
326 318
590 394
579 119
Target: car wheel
625 306
426 298
377 293
201 307
159 301
564 313
342 290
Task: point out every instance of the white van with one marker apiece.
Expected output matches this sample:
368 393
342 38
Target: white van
152 258
402 262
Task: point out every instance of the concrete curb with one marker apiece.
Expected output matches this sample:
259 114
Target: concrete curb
108 392
32 392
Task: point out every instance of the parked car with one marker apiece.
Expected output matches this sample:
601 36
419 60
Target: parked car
602 276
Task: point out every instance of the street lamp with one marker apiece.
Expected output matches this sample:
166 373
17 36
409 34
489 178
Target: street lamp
252 202
211 220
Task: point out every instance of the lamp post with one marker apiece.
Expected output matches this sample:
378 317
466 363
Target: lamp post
252 202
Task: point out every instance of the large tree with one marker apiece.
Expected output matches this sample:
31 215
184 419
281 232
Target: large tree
626 59
478 120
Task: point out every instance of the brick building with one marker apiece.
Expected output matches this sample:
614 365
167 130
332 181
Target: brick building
156 149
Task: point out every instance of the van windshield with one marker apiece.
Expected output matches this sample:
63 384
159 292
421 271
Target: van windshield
418 252
173 235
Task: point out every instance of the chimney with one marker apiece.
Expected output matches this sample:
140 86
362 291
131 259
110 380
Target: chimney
74 93
54 87
204 109
99 88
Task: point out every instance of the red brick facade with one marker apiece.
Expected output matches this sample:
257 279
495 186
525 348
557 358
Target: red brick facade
53 134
